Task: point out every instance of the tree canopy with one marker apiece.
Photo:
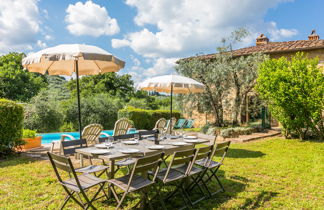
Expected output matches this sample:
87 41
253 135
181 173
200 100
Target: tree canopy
17 83
111 83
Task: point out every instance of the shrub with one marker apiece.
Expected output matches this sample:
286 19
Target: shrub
29 133
145 119
67 127
43 115
11 124
228 133
294 91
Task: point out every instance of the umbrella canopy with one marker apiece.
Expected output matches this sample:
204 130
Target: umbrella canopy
60 60
172 84
68 58
178 84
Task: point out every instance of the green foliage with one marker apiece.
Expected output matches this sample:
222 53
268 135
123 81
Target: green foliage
145 119
57 88
43 114
11 124
29 133
295 92
222 75
111 83
101 108
67 127
16 83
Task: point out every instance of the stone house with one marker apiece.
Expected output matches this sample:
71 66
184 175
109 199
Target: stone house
313 47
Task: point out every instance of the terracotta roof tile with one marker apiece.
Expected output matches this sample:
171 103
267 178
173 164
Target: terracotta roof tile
274 47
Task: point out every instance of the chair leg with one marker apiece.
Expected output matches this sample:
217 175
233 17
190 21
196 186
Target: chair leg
121 200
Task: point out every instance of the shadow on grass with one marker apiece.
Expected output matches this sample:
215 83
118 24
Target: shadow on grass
259 200
243 153
16 159
232 187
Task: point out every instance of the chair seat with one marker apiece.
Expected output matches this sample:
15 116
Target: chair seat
91 169
194 170
173 175
86 181
212 164
138 182
125 162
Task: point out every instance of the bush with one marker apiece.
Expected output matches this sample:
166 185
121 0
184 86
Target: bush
294 91
145 119
235 132
228 133
43 114
29 133
11 124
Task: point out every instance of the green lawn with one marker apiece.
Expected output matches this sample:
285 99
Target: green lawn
268 174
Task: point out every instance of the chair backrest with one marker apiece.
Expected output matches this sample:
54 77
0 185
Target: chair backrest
184 157
144 164
131 135
63 164
189 124
220 151
121 127
69 147
91 133
180 123
160 125
202 154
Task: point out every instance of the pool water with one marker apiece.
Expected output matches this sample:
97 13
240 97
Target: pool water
49 137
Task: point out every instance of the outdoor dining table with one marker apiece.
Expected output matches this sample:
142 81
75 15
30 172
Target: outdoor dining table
116 152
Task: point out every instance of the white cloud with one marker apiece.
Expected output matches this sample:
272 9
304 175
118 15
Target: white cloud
135 60
41 44
277 34
19 25
117 43
161 66
48 37
187 27
90 19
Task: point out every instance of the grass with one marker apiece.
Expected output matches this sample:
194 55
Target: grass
268 174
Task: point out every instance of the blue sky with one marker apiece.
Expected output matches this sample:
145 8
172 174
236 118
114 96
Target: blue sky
150 35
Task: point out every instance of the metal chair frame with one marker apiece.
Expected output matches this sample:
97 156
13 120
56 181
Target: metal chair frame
185 158
211 167
69 147
139 172
75 187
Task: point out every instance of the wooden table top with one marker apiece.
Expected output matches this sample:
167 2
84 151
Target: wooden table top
115 153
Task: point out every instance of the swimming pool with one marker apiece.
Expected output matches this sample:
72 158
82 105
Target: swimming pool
49 137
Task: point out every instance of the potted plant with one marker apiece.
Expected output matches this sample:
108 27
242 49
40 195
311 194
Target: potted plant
31 140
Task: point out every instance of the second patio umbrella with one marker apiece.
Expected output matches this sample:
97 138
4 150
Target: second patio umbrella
172 84
73 58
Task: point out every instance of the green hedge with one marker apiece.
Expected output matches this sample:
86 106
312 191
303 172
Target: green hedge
11 125
145 119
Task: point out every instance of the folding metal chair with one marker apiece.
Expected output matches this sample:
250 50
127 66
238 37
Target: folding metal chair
173 176
137 180
211 167
77 184
194 173
69 147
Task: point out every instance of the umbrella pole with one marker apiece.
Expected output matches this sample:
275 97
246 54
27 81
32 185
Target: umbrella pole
171 108
78 94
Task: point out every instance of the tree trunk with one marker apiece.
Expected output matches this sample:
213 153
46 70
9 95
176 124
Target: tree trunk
236 106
